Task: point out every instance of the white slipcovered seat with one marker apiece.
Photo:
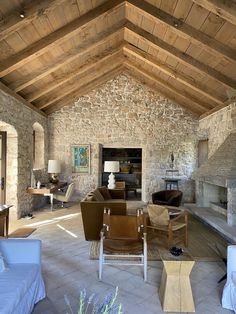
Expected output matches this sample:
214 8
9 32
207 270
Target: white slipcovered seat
65 197
229 292
21 284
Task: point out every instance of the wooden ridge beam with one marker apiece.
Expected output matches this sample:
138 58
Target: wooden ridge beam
20 99
107 62
226 9
84 89
90 63
179 55
62 60
184 30
57 37
147 58
31 11
150 82
193 103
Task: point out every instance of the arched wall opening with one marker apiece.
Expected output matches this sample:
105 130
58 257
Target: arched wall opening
38 146
11 166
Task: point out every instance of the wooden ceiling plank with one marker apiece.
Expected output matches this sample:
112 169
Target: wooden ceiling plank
145 57
20 99
145 79
31 11
67 58
179 55
58 37
93 72
184 30
189 98
99 58
225 9
83 90
115 57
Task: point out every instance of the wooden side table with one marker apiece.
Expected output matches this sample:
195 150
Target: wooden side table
175 289
4 220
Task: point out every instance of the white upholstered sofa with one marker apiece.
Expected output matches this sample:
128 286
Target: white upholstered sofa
21 284
229 292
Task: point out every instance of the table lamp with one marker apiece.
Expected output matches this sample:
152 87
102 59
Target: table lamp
111 166
54 167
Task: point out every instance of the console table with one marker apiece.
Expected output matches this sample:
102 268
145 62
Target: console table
175 289
47 190
4 220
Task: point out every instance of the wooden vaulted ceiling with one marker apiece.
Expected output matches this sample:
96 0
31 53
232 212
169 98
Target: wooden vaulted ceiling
52 51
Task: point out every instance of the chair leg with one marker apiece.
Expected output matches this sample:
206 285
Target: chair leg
186 237
170 238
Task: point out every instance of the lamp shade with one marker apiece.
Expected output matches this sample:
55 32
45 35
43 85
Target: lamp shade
54 166
112 166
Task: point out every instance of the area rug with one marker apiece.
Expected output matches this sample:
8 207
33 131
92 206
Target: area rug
21 232
203 244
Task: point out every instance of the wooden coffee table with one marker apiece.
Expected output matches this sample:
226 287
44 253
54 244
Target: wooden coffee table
175 289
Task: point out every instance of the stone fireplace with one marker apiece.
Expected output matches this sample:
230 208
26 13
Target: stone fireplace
216 181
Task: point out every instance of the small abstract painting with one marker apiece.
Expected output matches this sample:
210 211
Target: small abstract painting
80 158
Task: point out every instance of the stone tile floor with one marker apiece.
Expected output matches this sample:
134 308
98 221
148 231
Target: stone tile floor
67 269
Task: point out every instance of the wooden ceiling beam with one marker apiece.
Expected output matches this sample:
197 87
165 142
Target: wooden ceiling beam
183 58
32 10
20 99
150 82
147 58
59 36
82 50
225 9
84 89
91 62
184 30
114 58
204 115
192 101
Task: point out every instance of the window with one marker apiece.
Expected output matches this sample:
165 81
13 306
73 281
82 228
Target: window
38 146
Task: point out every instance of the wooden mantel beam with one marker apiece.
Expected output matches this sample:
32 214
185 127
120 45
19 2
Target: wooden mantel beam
59 36
184 30
185 59
31 11
147 58
226 9
84 89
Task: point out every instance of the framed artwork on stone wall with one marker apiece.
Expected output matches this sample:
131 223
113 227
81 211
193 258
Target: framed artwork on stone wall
80 158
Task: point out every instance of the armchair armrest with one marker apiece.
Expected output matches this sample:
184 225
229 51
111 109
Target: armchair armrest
21 251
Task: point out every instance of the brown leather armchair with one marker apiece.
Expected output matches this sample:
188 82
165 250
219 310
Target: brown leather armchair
167 197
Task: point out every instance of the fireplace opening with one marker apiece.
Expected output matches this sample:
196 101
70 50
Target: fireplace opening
215 197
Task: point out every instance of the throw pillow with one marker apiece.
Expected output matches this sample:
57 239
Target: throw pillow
90 197
105 193
98 195
158 215
2 263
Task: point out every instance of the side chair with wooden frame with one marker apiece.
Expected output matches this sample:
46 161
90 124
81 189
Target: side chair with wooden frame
123 238
175 229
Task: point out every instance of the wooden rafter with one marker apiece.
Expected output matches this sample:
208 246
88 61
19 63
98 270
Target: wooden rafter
84 89
114 58
211 111
20 99
178 55
184 30
147 58
31 11
192 101
144 78
91 62
57 37
224 8
82 50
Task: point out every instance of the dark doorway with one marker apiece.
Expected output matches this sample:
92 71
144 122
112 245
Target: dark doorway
3 149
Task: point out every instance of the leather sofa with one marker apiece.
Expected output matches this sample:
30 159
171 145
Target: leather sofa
167 197
92 208
21 283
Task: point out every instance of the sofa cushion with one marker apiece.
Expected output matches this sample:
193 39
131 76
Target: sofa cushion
15 282
105 192
98 195
90 197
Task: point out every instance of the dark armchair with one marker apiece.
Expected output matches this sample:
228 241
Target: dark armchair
167 197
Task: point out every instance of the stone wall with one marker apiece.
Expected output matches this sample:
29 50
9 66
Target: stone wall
218 126
125 113
18 121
